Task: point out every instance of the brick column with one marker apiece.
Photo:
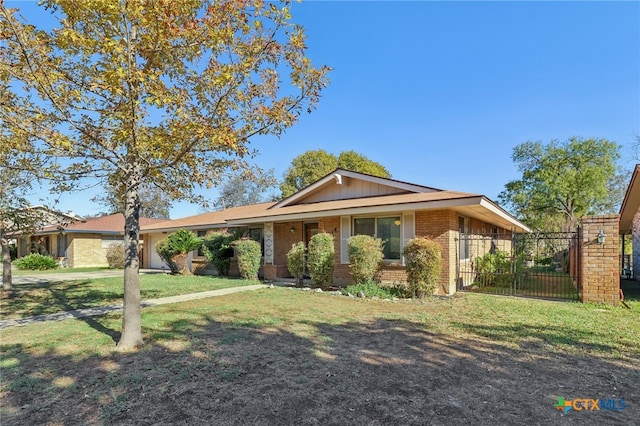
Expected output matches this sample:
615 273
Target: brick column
600 263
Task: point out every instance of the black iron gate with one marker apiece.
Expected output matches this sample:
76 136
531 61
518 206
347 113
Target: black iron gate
536 265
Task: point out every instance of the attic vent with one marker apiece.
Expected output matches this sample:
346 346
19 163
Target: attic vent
338 178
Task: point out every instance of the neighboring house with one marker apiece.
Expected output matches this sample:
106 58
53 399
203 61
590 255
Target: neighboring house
200 224
43 217
83 242
346 203
630 222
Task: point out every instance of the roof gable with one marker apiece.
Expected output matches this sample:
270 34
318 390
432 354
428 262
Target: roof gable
346 185
631 203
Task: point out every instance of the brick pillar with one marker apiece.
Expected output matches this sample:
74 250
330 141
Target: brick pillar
600 263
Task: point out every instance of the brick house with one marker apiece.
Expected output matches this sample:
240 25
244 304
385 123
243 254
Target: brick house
81 243
630 222
346 203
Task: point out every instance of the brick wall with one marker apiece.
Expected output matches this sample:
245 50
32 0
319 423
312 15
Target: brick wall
600 263
442 227
86 250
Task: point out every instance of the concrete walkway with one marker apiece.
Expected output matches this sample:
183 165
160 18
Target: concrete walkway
102 310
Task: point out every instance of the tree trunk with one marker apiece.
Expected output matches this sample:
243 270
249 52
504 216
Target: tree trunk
6 262
131 336
180 260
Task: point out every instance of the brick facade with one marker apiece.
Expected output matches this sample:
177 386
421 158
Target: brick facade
600 263
86 250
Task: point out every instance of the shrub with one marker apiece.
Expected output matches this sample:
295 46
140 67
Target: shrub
365 256
493 269
35 261
181 243
115 256
423 259
320 259
164 250
295 261
249 255
218 250
373 289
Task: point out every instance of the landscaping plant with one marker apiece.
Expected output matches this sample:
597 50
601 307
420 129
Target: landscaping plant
320 259
115 256
175 249
249 255
295 261
218 250
423 259
35 261
365 257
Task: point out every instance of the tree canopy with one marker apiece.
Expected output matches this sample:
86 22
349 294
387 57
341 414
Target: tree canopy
312 165
154 202
563 181
163 91
245 188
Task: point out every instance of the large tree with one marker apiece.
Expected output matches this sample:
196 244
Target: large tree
249 187
154 201
312 165
161 91
563 181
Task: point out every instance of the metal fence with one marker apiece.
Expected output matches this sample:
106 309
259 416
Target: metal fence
542 265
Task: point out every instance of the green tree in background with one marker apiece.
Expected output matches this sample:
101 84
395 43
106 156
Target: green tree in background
563 181
312 165
154 201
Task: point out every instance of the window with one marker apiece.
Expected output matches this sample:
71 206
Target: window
385 228
463 224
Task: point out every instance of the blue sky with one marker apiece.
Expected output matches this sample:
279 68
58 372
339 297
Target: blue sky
441 92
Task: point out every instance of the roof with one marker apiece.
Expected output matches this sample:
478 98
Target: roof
631 202
109 224
472 205
216 219
387 196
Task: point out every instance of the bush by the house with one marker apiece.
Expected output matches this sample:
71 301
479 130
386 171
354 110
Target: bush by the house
35 261
249 255
164 250
218 250
365 256
373 289
115 256
493 269
295 261
423 258
320 259
175 249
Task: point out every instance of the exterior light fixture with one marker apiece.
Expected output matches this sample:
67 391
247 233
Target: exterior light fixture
292 230
601 236
397 222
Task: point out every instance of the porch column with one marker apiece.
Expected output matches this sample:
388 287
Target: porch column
269 269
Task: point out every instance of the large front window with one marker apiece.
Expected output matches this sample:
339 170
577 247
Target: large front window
385 228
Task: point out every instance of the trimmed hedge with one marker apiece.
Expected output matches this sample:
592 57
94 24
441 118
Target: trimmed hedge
320 259
423 259
365 257
249 255
295 261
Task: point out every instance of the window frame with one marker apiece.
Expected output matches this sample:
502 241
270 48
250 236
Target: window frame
376 231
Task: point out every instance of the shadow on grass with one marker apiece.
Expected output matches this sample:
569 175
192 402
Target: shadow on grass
378 371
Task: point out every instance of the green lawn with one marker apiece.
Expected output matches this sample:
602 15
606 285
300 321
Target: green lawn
286 356
54 296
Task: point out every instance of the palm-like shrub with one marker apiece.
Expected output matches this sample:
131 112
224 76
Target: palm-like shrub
423 259
175 249
365 257
320 259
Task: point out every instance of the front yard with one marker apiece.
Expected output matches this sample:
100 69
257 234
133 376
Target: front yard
286 356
